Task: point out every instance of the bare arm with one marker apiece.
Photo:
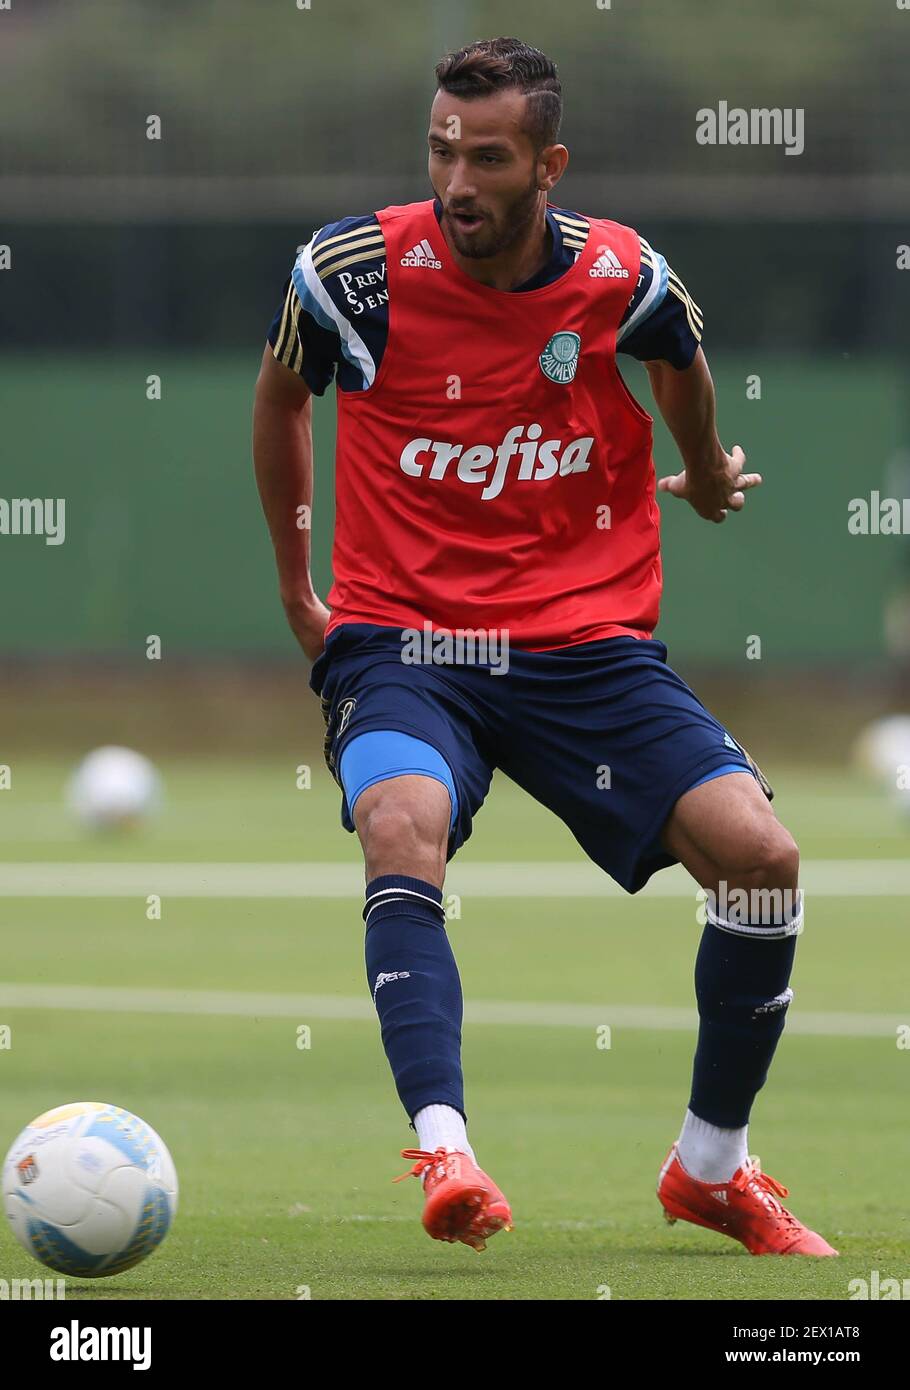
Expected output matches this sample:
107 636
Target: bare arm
712 480
283 460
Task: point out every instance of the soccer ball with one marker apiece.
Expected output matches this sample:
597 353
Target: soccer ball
89 1189
114 788
882 752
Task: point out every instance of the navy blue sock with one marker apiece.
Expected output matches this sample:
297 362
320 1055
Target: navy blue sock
742 975
416 989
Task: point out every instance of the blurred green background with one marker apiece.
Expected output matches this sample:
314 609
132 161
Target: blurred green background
133 257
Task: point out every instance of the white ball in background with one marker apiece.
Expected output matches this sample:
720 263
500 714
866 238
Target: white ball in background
883 747
882 752
114 788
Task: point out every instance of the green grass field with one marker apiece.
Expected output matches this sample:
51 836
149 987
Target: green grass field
286 1155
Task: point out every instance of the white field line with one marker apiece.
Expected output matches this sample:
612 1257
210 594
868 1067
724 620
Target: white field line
840 878
303 1008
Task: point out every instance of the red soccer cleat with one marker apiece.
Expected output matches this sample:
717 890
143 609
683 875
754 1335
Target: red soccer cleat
462 1203
745 1208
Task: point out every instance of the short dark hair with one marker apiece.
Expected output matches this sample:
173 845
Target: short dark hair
491 65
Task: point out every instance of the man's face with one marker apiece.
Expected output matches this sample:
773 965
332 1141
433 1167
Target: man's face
484 170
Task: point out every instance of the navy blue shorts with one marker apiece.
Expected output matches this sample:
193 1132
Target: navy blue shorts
604 734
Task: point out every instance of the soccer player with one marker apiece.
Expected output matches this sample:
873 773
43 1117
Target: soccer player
496 583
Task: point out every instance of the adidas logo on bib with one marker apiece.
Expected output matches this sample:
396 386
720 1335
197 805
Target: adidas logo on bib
608 266
422 255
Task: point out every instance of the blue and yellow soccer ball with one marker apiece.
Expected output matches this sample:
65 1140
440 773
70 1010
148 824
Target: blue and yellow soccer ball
89 1189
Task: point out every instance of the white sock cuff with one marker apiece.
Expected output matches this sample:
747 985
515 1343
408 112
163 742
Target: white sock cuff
791 923
385 895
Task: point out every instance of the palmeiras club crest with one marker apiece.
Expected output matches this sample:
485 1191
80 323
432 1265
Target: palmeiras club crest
559 359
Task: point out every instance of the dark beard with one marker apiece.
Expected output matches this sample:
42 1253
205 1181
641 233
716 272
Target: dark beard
493 241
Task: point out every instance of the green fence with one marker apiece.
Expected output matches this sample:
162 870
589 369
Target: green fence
164 535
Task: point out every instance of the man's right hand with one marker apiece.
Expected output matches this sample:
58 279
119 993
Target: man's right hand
308 618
